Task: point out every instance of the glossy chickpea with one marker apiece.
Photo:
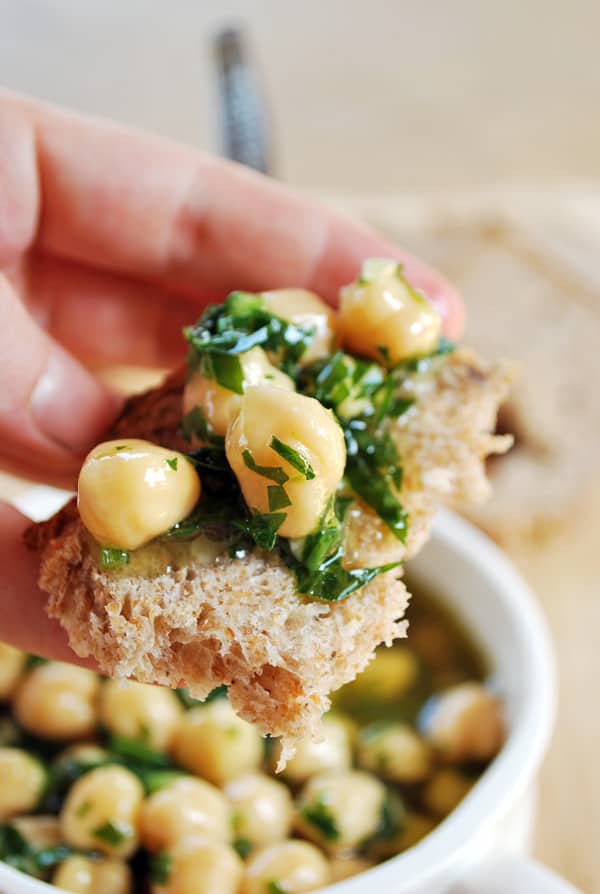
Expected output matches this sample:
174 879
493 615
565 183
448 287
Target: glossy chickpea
385 680
383 317
188 807
464 723
210 867
101 812
294 866
219 405
40 831
304 308
12 664
22 781
302 424
57 701
328 812
81 875
262 808
213 742
394 751
137 710
332 752
130 491
444 791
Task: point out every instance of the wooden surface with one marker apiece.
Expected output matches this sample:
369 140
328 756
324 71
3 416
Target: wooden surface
550 243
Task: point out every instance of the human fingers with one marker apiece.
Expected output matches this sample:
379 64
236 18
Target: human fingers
23 619
51 408
96 193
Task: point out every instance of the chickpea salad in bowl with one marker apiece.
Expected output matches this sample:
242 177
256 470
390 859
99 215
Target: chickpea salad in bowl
118 788
246 524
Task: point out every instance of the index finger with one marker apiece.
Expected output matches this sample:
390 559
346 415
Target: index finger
100 194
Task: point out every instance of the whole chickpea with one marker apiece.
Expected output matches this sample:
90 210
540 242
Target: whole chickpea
332 752
464 723
328 813
22 781
394 751
138 710
302 424
444 791
383 317
263 810
213 742
188 807
220 405
81 875
12 664
304 308
209 867
57 701
101 812
130 491
294 866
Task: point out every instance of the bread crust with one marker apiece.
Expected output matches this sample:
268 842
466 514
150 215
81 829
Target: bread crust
240 622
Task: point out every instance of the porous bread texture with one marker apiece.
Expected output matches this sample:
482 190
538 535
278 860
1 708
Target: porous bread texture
240 622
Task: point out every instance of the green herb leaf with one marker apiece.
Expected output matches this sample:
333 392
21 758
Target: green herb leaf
228 372
156 780
172 463
273 887
161 867
83 809
273 473
110 833
136 750
295 459
195 424
319 815
243 846
263 528
278 498
113 558
331 582
375 489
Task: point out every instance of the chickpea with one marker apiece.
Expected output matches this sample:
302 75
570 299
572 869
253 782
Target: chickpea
219 404
101 812
444 791
347 867
295 866
137 710
209 867
304 308
340 810
187 807
86 754
333 752
263 810
394 751
303 424
22 781
383 317
464 723
213 742
84 876
12 662
130 491
57 701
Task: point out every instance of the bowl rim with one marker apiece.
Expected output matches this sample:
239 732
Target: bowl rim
449 847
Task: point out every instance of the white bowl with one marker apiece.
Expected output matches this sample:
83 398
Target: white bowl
476 849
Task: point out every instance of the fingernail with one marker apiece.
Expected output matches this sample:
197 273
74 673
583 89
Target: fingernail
70 406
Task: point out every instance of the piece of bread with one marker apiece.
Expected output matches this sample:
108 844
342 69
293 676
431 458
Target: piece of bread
240 622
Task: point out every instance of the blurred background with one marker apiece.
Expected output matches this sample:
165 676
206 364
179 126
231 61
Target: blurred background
469 131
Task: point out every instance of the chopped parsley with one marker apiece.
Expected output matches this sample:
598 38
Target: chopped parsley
17 852
278 498
243 846
273 887
273 473
161 867
83 809
293 458
110 834
319 815
113 558
138 751
195 424
172 463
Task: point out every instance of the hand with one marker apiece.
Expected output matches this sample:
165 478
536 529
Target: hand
110 241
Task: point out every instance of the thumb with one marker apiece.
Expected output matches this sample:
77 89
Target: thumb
51 408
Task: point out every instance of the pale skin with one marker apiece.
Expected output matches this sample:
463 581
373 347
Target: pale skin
110 241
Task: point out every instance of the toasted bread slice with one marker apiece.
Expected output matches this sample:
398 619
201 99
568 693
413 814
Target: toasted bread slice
182 619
